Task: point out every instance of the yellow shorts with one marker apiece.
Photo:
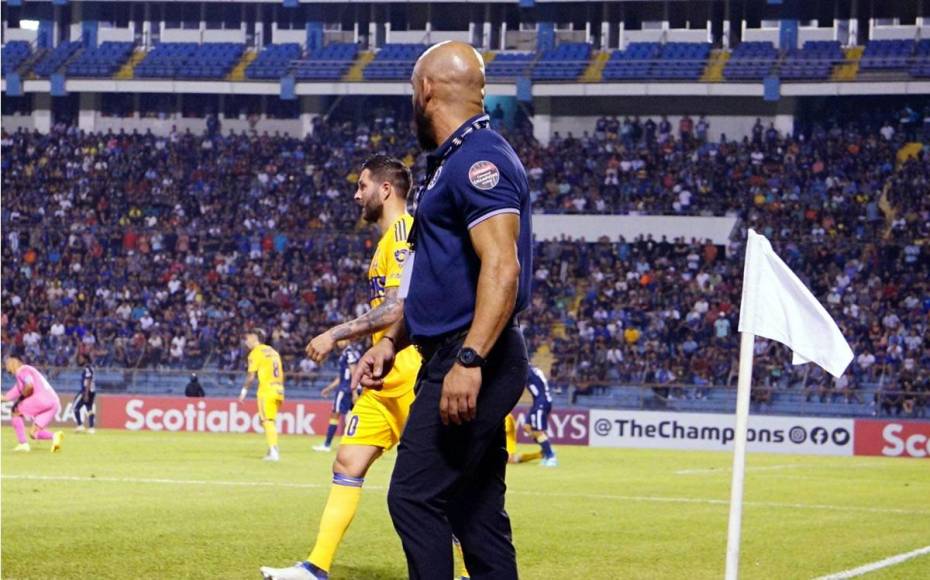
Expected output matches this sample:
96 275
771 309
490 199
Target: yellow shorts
377 421
510 427
268 405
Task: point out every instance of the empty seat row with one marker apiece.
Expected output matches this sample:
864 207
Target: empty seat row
13 55
101 61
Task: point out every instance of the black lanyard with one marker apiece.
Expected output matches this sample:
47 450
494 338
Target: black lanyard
434 164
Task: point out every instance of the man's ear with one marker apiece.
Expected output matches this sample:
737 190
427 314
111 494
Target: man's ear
386 190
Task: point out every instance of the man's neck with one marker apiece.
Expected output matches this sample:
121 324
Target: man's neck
446 123
388 217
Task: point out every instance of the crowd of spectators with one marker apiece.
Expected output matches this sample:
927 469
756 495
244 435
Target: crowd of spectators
149 251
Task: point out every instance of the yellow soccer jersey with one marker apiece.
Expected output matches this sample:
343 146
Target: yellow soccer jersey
384 272
266 363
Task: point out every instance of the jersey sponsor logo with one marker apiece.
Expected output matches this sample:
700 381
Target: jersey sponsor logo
401 255
434 179
484 175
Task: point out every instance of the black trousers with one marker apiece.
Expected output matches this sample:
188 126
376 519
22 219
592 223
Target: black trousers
450 479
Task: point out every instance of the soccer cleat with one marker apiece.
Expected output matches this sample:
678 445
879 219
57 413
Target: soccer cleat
22 448
549 462
272 455
91 431
322 448
299 571
79 429
56 440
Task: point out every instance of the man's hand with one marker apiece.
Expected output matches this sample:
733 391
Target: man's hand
459 401
242 394
374 366
320 347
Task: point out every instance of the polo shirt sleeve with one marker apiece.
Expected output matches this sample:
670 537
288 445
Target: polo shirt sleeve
485 186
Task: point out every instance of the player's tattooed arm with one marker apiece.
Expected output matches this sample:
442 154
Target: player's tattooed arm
378 318
382 316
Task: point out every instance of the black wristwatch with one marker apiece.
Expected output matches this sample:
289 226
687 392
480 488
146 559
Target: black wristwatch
468 358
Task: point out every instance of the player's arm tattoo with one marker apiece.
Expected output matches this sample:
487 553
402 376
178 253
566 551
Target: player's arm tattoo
378 318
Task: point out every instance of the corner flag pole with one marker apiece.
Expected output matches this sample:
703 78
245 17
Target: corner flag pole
743 387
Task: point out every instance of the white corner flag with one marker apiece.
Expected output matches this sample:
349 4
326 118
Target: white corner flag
775 305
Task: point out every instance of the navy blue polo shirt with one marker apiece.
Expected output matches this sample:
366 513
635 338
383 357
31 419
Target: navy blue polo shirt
481 178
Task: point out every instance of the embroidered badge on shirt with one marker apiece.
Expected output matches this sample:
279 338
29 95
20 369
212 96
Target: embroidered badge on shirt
484 175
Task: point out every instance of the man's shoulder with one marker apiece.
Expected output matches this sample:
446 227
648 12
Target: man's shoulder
489 146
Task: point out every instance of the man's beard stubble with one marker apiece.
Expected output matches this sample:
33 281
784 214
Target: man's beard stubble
424 129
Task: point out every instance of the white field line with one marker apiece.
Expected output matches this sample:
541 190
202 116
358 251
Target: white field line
865 569
632 498
712 470
723 470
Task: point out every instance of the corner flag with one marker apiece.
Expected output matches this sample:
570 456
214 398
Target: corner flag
777 306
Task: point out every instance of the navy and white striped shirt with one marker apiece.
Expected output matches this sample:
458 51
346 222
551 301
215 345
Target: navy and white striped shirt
539 387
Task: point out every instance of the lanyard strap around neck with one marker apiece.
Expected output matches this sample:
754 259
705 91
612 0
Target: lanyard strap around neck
482 122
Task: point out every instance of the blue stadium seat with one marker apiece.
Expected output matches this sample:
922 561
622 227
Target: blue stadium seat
886 55
566 62
13 55
101 61
273 62
394 62
328 64
53 61
651 60
188 60
751 61
920 64
509 65
814 61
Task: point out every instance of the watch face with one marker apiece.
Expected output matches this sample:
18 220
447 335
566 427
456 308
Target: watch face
467 356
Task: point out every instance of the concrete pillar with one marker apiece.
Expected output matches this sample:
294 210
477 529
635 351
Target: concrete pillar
605 35
503 43
486 35
87 111
727 31
542 128
784 123
147 26
259 27
42 112
387 33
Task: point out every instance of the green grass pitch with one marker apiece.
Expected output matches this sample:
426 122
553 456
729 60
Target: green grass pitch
159 505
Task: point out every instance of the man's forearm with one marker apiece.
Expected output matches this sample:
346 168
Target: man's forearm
498 283
378 318
397 333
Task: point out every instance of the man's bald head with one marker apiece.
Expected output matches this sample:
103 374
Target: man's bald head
448 88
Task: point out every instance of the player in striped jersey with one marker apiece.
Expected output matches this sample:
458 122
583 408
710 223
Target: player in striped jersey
84 399
342 384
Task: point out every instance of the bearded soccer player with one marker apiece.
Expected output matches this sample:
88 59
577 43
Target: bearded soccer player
265 364
379 416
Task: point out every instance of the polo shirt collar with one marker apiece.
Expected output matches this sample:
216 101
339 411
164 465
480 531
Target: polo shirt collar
436 156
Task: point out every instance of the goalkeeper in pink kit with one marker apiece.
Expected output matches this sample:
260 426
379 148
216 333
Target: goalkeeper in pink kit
32 397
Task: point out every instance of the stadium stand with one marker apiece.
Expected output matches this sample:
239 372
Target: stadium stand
14 54
883 55
651 60
921 63
101 61
394 62
510 65
190 60
273 62
55 59
566 62
751 61
633 63
166 254
330 63
814 61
